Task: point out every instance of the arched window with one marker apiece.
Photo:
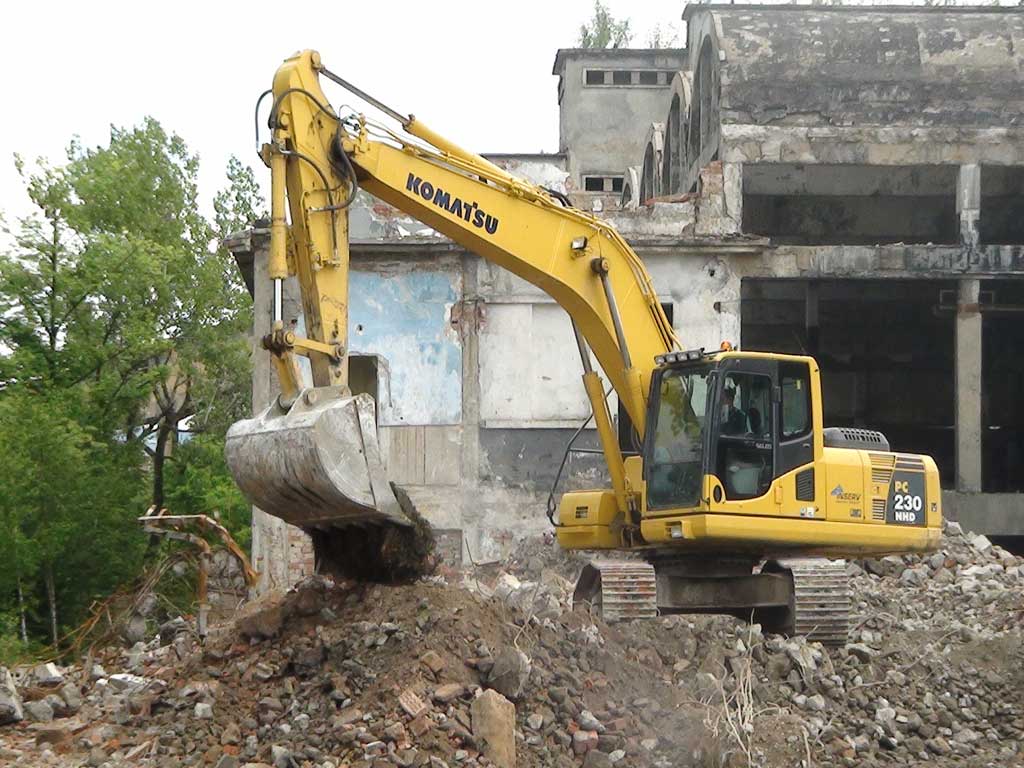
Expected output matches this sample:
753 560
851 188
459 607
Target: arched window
670 165
703 113
647 175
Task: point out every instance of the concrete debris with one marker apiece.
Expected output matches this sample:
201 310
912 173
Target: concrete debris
509 673
447 693
127 683
11 710
411 704
47 676
39 711
494 726
263 618
425 675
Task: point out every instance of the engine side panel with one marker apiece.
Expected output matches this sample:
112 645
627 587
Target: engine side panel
850 503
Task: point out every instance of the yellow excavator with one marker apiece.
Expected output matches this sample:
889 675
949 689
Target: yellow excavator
738 500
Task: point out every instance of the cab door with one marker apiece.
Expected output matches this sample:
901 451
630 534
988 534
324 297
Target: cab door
796 425
743 451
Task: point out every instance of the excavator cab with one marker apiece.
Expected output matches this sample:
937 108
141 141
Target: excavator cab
736 457
742 420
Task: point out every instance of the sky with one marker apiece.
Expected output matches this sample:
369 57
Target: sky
477 72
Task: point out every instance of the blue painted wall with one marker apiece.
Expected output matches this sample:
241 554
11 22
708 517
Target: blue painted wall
401 313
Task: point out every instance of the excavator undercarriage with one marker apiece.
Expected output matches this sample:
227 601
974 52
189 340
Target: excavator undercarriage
800 596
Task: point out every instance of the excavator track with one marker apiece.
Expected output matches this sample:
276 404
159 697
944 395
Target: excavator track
812 599
821 602
620 590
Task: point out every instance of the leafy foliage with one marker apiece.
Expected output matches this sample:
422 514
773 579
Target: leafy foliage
603 30
241 203
199 482
122 332
659 36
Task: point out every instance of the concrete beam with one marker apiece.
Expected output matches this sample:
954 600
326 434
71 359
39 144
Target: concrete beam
968 387
993 514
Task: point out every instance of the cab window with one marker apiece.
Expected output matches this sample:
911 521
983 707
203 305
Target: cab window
746 405
675 463
745 460
796 400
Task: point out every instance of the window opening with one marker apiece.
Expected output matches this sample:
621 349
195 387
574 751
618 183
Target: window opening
745 452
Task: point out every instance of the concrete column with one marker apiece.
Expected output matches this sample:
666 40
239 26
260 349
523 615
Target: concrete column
968 203
469 328
732 196
811 322
473 309
281 553
968 387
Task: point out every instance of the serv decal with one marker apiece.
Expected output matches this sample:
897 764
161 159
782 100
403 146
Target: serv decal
906 503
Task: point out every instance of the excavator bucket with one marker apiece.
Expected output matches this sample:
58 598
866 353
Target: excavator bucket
317 465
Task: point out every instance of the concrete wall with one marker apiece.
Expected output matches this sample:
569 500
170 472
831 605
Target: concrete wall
849 65
602 128
400 312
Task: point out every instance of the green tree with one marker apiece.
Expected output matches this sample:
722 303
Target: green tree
200 483
63 498
662 36
122 329
137 198
603 30
17 551
240 204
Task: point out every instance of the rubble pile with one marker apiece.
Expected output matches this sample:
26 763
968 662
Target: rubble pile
501 671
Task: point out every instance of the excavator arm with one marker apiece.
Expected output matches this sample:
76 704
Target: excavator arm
318 159
566 252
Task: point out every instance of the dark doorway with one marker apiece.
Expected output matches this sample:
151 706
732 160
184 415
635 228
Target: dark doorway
1002 386
363 378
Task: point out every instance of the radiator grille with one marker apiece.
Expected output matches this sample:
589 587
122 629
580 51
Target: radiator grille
882 465
914 463
805 485
878 509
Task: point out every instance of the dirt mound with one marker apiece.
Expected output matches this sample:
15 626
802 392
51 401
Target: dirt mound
373 676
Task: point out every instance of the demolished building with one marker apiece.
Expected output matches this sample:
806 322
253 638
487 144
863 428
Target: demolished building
846 182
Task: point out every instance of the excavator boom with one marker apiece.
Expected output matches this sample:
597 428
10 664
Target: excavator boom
312 458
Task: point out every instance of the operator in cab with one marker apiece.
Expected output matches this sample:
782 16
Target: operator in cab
734 420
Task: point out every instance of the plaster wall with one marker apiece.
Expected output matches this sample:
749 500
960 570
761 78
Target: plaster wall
602 129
